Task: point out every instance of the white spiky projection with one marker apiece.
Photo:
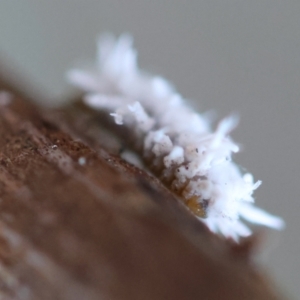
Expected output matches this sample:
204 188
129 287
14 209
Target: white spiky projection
175 142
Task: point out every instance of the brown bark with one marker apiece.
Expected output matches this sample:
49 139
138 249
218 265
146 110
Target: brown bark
77 222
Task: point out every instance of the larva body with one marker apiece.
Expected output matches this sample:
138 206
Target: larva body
175 142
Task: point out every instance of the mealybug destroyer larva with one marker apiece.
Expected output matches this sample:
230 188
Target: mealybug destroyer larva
177 143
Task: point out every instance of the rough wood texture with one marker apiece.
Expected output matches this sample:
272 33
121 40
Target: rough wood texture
77 222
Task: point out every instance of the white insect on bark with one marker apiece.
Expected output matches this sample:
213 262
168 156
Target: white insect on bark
178 145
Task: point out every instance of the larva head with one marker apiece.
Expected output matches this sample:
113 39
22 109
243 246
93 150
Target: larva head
197 206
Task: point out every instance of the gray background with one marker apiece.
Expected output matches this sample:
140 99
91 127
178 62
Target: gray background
226 55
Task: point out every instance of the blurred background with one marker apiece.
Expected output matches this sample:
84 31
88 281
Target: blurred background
225 55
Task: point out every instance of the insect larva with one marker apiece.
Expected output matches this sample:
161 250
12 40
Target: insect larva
175 142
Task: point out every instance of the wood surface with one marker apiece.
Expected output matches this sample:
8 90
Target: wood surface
78 222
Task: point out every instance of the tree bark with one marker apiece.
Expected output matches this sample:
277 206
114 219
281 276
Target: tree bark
78 222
